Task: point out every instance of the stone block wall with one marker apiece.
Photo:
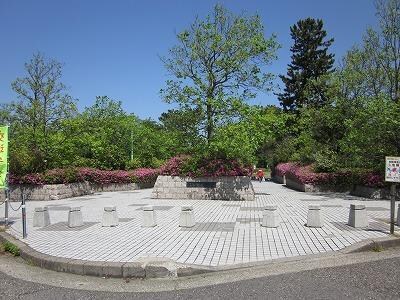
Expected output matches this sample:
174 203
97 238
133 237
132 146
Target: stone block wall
279 179
227 188
60 191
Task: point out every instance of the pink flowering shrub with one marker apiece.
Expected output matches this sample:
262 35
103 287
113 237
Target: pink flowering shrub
185 165
307 175
145 175
282 168
175 165
220 167
59 176
373 180
34 178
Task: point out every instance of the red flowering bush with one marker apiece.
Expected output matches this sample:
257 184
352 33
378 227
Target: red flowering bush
175 166
59 176
220 167
373 180
185 165
145 175
307 175
282 168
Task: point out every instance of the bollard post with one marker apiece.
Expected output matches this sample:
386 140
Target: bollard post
24 233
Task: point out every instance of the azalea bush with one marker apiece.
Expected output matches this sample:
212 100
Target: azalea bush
72 175
185 165
306 174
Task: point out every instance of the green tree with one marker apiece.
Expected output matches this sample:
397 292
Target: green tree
42 107
218 63
310 61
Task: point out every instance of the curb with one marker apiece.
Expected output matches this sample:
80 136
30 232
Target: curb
151 267
155 267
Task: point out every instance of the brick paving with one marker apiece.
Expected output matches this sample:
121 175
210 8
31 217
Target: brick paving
226 232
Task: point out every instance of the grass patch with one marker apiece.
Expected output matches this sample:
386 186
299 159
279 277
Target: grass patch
11 248
376 247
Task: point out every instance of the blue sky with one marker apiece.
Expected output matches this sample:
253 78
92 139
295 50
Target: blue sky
112 47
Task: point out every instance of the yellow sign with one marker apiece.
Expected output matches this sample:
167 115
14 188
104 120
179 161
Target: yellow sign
3 156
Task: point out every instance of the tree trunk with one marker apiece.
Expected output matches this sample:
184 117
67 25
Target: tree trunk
210 125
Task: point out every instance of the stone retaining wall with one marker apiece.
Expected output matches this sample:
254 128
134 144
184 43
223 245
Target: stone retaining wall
59 191
279 179
373 193
358 190
226 188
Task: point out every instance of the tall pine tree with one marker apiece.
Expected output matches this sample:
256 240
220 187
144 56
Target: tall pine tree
304 84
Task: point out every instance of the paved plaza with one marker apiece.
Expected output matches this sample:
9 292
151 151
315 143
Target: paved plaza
226 232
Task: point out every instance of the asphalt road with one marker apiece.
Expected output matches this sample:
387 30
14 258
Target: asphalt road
373 280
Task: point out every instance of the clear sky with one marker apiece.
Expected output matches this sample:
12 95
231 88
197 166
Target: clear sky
112 47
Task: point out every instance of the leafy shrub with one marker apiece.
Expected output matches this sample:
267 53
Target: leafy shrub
10 247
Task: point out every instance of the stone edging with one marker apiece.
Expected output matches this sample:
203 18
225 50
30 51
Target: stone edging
144 268
160 267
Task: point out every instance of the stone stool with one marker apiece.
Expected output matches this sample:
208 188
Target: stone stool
186 218
110 217
75 217
314 216
358 216
149 217
270 217
41 217
398 215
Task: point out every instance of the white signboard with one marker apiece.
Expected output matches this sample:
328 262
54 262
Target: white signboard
392 170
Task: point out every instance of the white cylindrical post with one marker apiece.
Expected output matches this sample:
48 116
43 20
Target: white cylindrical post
75 218
270 217
41 217
149 218
358 216
186 218
314 216
110 217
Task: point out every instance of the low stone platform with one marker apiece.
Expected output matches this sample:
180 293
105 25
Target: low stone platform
226 233
207 188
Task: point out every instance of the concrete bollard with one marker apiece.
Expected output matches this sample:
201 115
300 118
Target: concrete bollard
358 216
314 216
186 218
110 217
398 215
41 217
75 217
149 217
270 217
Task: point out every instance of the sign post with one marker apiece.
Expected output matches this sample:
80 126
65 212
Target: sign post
392 174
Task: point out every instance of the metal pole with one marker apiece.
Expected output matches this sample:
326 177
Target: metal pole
24 234
6 208
392 206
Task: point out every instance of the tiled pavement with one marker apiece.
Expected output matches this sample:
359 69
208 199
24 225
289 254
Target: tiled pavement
227 232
